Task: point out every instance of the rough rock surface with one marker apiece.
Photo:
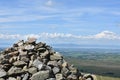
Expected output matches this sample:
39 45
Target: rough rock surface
28 60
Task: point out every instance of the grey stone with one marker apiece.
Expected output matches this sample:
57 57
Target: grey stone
14 70
25 68
11 60
30 63
19 63
41 75
2 79
65 71
12 78
24 58
72 77
41 49
60 62
2 73
51 79
48 68
56 56
52 63
31 40
5 61
28 47
32 70
38 64
15 53
23 53
65 64
74 71
20 43
18 78
33 57
59 76
43 55
55 70
25 76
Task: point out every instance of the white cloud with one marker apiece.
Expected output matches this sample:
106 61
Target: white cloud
49 3
8 36
107 35
102 35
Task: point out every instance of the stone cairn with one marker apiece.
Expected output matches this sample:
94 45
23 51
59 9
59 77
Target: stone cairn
28 60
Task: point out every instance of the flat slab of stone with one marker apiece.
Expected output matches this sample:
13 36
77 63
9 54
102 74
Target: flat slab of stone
19 63
14 70
41 75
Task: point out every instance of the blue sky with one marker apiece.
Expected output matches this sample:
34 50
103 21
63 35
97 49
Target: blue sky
61 21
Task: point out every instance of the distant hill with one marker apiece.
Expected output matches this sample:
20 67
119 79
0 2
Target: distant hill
70 45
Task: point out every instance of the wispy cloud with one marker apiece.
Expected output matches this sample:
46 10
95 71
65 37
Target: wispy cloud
102 35
23 18
38 9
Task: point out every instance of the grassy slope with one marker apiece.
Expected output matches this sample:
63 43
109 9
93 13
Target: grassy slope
106 78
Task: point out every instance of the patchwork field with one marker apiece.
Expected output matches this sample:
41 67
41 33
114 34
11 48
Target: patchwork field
102 62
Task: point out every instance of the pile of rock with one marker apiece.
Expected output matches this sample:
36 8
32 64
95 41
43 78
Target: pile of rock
28 60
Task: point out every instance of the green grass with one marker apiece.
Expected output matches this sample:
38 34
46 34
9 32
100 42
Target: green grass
106 78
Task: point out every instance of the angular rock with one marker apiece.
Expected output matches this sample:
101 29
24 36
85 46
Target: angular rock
15 53
65 64
12 78
18 78
29 47
2 73
23 53
32 70
25 76
65 71
24 59
45 54
51 79
14 70
41 49
56 70
20 43
41 75
56 56
19 63
38 64
2 79
32 40
59 76
72 77
52 63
